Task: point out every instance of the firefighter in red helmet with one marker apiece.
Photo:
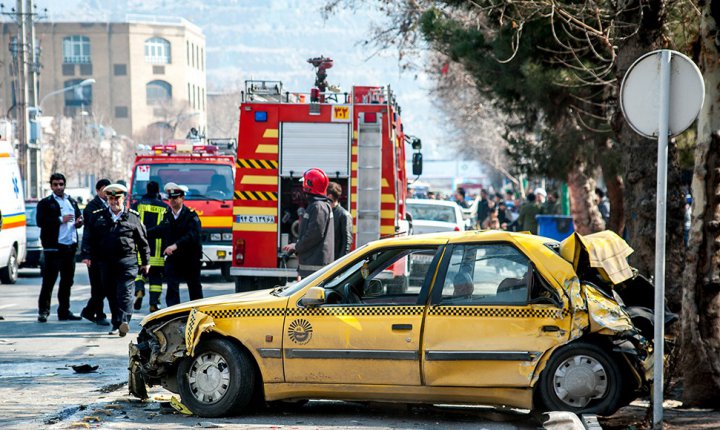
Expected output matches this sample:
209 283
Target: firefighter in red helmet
315 246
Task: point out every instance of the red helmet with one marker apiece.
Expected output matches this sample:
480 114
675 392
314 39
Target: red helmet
315 181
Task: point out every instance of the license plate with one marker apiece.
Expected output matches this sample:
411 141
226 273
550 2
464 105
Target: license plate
255 219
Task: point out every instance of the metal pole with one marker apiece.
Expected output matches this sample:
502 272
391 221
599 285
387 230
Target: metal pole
22 112
661 210
34 151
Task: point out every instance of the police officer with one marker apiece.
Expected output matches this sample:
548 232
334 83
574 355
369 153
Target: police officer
114 241
152 212
93 311
315 246
181 236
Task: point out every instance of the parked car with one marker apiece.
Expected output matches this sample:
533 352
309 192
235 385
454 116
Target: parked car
34 257
431 216
498 318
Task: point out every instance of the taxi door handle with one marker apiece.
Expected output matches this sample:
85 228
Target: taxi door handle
402 326
552 329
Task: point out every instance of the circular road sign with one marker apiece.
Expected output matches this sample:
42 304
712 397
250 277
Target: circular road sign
640 94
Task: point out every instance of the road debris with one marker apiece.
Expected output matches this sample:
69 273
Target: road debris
84 368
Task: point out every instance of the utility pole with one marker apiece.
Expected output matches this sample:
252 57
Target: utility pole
34 156
22 96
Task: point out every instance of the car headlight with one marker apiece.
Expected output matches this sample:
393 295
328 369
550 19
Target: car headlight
227 236
215 236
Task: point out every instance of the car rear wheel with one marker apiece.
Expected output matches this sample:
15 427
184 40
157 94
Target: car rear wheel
581 378
218 381
9 274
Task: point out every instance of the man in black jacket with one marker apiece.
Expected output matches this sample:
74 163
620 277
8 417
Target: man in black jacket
114 241
58 217
342 221
181 233
152 212
315 246
93 311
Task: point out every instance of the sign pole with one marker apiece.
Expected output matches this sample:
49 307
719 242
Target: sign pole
660 215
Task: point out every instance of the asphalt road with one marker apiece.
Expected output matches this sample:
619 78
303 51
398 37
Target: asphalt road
39 389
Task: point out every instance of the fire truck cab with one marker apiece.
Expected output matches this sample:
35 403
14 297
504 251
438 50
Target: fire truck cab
207 169
357 138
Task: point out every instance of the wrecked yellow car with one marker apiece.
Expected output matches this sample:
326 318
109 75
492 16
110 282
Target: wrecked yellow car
492 317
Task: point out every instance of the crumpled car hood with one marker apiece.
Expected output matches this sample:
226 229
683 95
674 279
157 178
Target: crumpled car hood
606 251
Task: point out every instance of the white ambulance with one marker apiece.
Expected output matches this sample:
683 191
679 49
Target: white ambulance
12 215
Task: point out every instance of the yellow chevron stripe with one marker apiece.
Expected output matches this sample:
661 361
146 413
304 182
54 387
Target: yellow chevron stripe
353 165
387 198
267 149
259 180
385 183
353 182
355 134
354 150
237 226
387 214
270 133
216 221
245 210
387 229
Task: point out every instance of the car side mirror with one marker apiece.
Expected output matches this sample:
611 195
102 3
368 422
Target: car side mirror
313 297
417 163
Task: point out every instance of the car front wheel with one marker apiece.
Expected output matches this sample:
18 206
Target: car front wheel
9 274
218 381
581 378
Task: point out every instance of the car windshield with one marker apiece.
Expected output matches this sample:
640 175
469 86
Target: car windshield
204 181
427 212
30 215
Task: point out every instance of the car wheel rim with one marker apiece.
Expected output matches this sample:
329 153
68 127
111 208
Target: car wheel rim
13 270
580 379
209 378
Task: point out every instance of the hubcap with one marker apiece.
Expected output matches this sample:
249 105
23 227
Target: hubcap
209 377
12 268
579 379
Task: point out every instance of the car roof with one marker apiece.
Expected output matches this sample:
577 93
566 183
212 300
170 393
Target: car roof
469 236
431 202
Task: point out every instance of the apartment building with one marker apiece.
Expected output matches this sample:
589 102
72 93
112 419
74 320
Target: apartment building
142 77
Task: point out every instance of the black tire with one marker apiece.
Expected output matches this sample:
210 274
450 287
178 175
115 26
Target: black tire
225 272
582 378
9 273
226 379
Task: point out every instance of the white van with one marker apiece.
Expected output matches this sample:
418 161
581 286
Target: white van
12 215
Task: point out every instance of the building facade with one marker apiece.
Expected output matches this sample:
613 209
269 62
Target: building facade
144 78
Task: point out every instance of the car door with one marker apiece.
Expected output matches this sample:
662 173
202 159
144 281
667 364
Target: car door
368 331
490 319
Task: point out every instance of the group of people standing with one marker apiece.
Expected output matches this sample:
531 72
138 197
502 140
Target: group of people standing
121 246
498 212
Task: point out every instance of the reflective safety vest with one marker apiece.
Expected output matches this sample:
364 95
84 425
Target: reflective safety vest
152 212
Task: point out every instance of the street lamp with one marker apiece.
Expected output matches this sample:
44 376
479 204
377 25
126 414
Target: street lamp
81 84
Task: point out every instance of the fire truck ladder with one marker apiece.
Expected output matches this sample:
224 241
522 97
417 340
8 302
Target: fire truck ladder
369 179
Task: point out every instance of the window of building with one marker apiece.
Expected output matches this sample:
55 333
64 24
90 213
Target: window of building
157 51
76 50
68 70
158 70
202 99
120 69
202 59
78 95
121 112
158 92
86 69
187 52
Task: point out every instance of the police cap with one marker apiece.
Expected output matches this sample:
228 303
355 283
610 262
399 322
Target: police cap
115 190
174 190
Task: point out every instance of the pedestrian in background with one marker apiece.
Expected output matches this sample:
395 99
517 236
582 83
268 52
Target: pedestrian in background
342 221
58 217
315 246
552 205
603 205
113 242
460 198
94 309
483 208
526 218
180 232
152 211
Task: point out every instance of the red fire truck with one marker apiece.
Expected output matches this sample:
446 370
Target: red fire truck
207 169
356 138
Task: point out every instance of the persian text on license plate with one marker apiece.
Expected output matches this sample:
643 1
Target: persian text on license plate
255 219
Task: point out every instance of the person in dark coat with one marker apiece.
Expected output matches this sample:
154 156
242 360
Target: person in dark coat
152 212
342 221
58 217
315 247
180 231
483 208
93 310
114 242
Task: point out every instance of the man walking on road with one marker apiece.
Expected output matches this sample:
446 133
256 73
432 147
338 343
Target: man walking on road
58 217
315 246
152 212
93 311
342 221
181 230
115 241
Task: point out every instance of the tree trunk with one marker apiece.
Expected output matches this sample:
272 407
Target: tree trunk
701 298
616 196
584 211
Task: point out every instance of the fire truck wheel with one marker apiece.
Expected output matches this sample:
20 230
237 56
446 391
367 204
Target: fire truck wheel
244 283
225 272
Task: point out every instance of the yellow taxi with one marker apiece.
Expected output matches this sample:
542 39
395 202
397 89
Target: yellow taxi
490 317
